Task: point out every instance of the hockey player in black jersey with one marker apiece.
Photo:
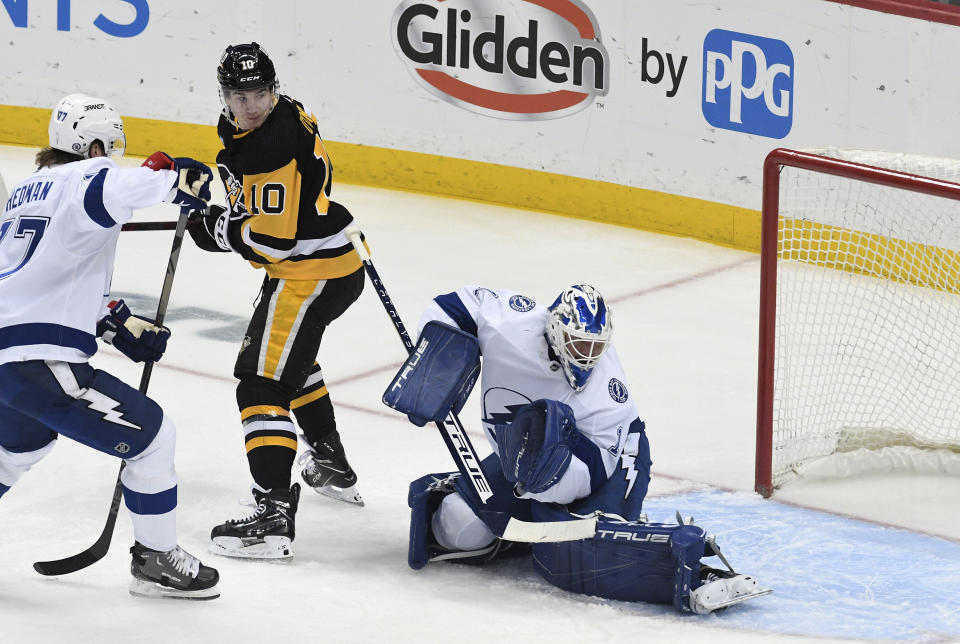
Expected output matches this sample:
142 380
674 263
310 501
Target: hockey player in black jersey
279 216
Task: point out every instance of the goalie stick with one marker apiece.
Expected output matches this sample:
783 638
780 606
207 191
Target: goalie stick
458 443
99 549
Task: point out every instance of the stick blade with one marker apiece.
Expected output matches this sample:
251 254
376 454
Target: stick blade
70 564
95 552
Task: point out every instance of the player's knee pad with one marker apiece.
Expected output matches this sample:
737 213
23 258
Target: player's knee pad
437 377
629 561
150 490
152 470
270 437
13 465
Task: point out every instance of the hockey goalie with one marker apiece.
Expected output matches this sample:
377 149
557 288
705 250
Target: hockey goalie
567 444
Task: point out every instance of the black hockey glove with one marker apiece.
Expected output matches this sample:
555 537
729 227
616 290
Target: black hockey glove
135 337
209 230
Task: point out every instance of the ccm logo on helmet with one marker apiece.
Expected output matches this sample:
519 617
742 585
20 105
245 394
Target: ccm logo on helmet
511 59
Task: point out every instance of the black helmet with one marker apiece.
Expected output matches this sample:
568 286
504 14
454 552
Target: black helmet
246 66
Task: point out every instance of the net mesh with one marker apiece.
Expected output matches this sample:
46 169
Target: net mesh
867 349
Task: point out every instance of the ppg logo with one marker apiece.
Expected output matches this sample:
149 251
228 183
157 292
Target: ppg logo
748 83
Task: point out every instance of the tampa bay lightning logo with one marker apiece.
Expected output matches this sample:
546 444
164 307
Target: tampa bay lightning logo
617 390
521 303
499 405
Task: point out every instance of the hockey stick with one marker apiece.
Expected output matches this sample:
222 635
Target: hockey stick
149 225
459 445
454 435
99 549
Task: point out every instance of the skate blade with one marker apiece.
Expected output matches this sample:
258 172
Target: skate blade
759 592
347 495
153 590
737 590
270 548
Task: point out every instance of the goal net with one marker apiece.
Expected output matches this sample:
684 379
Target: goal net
859 355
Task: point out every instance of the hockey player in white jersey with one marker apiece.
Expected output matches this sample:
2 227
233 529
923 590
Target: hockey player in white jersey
58 235
567 442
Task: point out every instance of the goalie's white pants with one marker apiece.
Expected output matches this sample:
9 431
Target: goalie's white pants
456 527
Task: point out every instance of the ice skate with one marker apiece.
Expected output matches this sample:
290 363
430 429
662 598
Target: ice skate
327 471
267 533
723 588
175 574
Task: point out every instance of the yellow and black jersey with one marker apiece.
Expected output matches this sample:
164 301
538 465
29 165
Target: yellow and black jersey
278 178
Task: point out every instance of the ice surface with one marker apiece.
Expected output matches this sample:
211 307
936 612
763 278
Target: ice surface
686 315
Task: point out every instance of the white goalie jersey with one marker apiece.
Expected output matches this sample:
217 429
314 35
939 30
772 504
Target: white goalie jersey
58 235
517 369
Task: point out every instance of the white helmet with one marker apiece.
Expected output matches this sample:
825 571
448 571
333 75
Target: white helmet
78 120
579 326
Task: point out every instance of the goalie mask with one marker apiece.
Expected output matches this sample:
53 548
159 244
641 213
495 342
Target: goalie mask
79 120
579 326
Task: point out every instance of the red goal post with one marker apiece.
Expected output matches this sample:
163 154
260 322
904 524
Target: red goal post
859 310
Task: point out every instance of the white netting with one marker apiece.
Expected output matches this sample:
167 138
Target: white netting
868 315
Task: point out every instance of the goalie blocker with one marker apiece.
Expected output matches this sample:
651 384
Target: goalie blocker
438 375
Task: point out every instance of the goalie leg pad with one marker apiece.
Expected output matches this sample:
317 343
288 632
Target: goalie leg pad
437 377
424 498
627 561
426 495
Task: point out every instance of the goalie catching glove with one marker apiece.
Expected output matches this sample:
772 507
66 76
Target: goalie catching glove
535 449
135 337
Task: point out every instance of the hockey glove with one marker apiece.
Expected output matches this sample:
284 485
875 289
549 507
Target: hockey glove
135 337
210 229
192 190
535 448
